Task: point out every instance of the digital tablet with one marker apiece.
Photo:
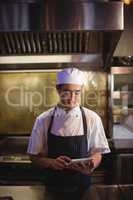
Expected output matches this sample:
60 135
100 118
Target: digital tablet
80 160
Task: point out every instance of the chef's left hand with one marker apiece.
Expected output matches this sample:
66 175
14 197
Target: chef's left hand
85 167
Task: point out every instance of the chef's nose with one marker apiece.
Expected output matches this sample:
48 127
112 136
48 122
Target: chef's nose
72 95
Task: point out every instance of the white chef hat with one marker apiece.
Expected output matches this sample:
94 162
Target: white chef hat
70 76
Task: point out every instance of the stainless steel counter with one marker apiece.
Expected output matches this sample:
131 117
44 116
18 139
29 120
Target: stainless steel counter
96 192
23 192
109 192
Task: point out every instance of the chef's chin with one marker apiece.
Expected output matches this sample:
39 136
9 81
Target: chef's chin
69 105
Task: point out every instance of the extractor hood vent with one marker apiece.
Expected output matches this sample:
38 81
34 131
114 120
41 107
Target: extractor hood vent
48 28
19 43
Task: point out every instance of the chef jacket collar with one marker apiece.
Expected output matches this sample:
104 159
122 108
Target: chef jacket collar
74 111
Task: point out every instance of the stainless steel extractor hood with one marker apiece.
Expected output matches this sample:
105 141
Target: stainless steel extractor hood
59 31
125 45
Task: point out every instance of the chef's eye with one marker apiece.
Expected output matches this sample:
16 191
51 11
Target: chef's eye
66 93
77 92
70 92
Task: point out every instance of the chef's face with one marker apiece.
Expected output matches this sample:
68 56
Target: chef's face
69 95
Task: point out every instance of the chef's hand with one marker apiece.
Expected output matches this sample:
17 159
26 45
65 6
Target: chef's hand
85 167
59 163
43 162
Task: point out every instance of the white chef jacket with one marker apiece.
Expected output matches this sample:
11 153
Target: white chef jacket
68 124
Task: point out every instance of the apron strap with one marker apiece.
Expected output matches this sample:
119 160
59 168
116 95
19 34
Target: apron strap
84 120
51 120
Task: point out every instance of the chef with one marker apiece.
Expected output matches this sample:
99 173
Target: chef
64 133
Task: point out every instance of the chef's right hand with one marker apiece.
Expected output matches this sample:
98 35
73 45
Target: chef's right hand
59 163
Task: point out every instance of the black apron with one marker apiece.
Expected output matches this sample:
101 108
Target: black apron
72 146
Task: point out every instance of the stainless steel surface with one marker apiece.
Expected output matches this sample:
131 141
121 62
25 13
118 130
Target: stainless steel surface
17 148
121 102
124 165
94 47
15 159
122 70
91 59
96 192
59 15
109 192
61 27
83 15
23 192
125 47
52 42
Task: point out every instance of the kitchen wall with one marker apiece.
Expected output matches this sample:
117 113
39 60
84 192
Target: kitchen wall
26 94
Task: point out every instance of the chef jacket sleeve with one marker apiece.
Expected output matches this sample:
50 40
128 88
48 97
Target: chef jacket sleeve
97 140
37 139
